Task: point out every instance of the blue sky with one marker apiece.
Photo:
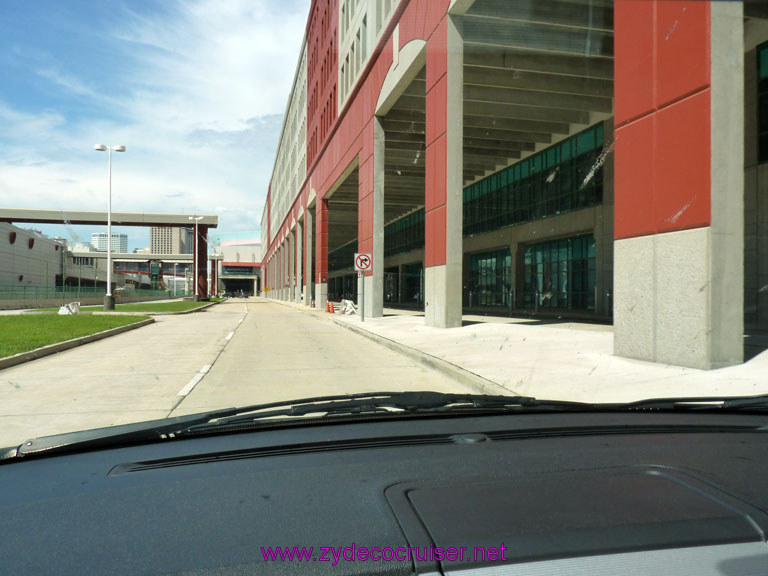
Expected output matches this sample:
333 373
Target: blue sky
195 90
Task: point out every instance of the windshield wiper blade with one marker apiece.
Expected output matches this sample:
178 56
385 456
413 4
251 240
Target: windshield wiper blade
389 402
111 436
368 403
703 403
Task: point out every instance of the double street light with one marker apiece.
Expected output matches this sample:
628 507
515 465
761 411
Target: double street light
109 299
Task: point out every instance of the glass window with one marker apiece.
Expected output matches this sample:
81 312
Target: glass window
561 274
554 181
762 102
490 276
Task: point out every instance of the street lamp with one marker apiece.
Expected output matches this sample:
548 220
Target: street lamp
196 281
109 299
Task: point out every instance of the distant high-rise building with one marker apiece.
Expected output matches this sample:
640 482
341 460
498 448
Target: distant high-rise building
119 242
167 240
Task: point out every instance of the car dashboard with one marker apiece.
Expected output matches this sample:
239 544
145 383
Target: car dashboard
555 493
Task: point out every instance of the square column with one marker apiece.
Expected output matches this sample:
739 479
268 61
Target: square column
444 176
308 272
321 258
283 270
299 262
679 182
291 265
374 283
286 267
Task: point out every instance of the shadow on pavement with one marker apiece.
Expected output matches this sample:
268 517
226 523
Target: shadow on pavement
755 343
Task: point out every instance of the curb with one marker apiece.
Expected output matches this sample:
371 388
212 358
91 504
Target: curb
179 313
67 344
458 373
135 313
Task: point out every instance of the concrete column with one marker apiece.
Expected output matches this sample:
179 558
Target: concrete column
444 177
321 258
281 294
299 261
679 161
374 284
281 272
286 267
308 272
291 265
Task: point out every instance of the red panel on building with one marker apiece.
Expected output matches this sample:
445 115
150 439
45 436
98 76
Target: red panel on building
436 10
437 54
435 232
633 46
662 160
682 49
322 66
435 178
437 110
682 175
634 213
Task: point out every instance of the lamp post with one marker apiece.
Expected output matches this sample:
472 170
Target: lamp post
109 299
196 281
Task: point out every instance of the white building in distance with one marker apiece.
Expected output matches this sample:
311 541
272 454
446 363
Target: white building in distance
119 242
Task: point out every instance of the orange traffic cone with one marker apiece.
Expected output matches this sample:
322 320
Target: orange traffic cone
328 306
332 310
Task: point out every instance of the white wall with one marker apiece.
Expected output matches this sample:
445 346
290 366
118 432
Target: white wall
39 265
291 163
241 251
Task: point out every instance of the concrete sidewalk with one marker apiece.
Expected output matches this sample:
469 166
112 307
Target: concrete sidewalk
553 360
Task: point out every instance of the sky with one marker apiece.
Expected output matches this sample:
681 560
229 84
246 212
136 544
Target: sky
195 89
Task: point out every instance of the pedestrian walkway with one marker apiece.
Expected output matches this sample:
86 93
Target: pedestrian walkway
556 360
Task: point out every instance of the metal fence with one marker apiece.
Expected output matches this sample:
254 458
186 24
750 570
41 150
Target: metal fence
65 292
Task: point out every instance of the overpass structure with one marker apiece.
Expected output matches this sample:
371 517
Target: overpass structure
140 219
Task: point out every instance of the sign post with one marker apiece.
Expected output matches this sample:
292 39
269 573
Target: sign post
363 263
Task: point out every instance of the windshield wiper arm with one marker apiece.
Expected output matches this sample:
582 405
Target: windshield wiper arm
111 436
391 402
698 403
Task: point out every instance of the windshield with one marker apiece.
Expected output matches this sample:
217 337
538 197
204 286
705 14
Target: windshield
207 205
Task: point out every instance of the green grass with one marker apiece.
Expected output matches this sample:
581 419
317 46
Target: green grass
180 306
24 333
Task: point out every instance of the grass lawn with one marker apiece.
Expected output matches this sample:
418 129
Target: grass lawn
180 306
24 333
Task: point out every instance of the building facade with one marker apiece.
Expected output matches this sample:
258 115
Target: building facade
167 240
590 159
119 242
239 264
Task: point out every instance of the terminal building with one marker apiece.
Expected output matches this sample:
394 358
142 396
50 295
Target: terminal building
239 256
600 159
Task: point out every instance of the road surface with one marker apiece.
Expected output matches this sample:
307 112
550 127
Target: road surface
235 353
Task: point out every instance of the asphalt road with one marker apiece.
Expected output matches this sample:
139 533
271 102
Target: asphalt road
235 353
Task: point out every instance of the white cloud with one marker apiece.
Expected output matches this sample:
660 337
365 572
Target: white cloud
207 85
66 81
